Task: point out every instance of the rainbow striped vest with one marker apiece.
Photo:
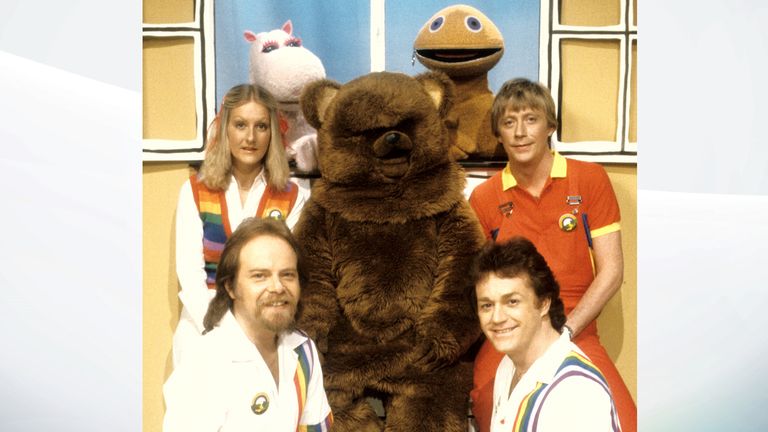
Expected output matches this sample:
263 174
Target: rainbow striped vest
574 364
304 369
212 207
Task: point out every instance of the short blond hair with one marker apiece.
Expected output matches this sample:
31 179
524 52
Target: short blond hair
521 93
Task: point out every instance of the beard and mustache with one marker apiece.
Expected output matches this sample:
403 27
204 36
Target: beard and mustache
277 321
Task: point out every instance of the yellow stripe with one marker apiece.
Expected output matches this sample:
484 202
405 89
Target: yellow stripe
584 359
559 166
522 410
559 170
210 207
507 179
606 230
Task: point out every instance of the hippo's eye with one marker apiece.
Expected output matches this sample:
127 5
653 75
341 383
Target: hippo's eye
293 42
269 46
436 23
473 24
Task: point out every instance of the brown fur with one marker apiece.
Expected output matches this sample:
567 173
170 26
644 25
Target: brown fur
388 249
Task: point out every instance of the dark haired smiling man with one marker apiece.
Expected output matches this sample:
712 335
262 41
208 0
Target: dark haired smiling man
544 382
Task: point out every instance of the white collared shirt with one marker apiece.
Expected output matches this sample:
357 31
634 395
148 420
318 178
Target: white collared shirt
576 404
214 387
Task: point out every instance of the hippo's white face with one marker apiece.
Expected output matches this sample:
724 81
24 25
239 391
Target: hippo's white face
281 64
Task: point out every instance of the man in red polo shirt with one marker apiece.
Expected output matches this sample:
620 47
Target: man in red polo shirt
568 209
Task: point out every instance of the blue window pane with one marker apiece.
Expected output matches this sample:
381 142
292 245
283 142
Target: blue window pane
336 31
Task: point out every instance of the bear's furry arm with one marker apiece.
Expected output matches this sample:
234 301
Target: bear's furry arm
448 324
320 309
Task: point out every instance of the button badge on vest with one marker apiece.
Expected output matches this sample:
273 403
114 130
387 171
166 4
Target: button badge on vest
274 213
567 222
260 404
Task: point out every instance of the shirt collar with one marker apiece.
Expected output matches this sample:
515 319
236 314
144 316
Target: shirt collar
559 170
261 178
545 367
235 339
241 348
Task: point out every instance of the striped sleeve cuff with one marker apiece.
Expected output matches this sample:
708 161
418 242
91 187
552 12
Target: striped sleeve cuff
605 230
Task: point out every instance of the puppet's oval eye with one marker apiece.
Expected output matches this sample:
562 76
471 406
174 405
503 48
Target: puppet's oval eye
436 23
269 46
473 24
293 42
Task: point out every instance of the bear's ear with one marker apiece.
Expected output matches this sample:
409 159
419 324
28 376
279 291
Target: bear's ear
440 88
315 99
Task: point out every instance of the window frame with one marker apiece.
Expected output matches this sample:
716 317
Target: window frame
200 30
620 150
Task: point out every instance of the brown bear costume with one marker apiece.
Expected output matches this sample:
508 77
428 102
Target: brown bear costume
389 239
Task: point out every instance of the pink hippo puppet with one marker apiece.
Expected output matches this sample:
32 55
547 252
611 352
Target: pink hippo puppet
281 64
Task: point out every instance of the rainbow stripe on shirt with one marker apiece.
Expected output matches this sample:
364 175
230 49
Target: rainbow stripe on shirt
574 364
213 213
324 426
304 368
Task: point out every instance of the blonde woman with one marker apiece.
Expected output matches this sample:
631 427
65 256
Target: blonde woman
245 173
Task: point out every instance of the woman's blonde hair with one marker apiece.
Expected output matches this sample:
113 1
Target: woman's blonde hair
217 166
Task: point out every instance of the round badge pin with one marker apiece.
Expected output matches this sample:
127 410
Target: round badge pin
275 214
260 404
567 222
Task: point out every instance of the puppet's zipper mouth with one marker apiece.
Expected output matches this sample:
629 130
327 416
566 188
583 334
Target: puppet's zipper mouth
457 55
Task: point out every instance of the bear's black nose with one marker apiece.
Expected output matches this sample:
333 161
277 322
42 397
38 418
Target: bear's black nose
392 138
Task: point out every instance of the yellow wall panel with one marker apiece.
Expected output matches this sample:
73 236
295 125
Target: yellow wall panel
590 89
160 302
168 11
633 96
617 324
590 12
169 89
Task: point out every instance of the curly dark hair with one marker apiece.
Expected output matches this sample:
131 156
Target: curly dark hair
518 257
229 264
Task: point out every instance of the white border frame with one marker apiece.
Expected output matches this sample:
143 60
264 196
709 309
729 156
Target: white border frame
629 145
620 27
204 73
551 33
378 35
589 146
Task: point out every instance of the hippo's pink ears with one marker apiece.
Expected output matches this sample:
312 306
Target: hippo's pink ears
288 27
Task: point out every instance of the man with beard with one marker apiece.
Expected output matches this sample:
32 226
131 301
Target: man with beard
251 370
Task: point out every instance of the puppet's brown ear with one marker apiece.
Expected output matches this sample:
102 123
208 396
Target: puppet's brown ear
440 88
315 99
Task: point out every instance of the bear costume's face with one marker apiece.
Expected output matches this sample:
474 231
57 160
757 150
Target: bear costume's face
380 129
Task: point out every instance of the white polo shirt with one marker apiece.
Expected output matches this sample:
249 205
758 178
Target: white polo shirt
561 391
225 385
